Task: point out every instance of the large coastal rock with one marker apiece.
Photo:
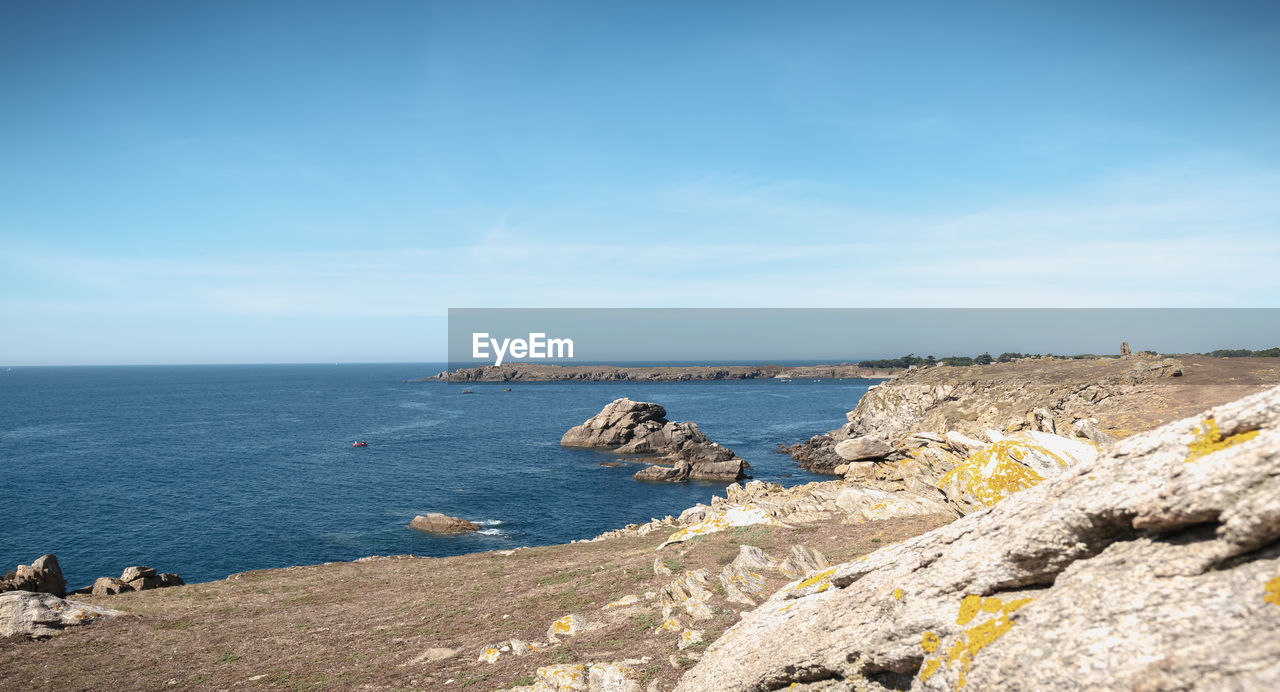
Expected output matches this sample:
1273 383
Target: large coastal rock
1046 396
637 427
42 615
42 576
435 522
1154 566
865 447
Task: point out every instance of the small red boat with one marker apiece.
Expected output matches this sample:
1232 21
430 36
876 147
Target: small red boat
359 444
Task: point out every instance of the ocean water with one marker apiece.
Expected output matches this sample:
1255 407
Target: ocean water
210 470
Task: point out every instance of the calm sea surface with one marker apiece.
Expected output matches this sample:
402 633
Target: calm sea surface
210 470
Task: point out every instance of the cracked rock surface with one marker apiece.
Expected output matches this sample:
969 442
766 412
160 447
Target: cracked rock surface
1155 566
639 427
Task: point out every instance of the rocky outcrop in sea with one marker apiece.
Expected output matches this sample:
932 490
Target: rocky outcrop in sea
435 522
641 428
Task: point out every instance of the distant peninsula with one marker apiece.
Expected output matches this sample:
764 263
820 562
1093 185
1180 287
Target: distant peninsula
529 372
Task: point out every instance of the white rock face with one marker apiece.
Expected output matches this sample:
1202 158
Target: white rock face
865 447
1154 566
737 516
40 615
869 504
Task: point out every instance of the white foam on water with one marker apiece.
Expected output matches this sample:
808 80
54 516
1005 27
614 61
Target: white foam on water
489 532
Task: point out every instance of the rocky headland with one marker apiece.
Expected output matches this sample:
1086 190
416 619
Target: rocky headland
641 428
534 372
1154 566
1077 398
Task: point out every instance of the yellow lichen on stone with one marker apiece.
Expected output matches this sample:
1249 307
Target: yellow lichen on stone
1272 594
564 676
689 638
897 594
969 607
669 624
1209 439
973 639
821 579
489 655
993 473
565 625
738 516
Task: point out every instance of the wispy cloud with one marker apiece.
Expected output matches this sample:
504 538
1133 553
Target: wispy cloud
1192 235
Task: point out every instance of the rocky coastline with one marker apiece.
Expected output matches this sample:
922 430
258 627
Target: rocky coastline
1032 525
534 372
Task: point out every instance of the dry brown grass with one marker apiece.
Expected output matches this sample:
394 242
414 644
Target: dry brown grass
362 624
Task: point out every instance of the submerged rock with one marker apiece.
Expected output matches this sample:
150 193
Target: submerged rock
1154 566
436 522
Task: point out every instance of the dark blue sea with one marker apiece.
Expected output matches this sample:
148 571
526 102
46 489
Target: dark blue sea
210 470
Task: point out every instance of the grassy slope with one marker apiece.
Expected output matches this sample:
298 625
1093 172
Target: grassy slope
343 625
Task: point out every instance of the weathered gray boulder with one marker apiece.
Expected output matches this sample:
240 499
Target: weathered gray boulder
727 470
42 615
42 576
135 578
1088 429
137 572
655 473
1154 566
144 583
109 586
638 427
1004 397
442 523
615 425
1041 419
865 447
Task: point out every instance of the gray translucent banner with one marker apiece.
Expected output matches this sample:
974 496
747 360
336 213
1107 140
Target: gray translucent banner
765 336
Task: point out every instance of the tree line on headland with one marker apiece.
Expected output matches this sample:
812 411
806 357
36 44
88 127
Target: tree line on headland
985 358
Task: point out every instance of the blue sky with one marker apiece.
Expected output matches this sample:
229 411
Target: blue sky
310 181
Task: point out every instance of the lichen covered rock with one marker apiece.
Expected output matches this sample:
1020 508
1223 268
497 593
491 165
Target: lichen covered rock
1154 566
42 615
